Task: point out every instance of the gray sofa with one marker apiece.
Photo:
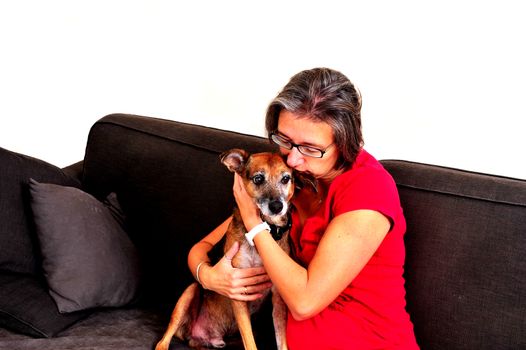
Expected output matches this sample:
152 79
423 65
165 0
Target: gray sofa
466 238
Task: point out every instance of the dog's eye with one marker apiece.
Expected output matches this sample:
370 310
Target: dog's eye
258 179
285 179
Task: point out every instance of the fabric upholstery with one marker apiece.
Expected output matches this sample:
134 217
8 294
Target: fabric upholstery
88 259
119 329
465 265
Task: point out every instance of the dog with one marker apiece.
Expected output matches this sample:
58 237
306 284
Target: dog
203 317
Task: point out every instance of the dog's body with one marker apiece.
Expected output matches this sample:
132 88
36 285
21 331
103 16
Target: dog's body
203 317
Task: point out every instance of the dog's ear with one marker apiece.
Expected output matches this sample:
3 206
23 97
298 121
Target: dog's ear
304 180
234 159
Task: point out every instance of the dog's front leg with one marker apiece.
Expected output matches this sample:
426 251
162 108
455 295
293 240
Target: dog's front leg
179 317
279 316
243 322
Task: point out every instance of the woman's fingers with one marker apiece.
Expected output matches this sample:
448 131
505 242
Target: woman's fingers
255 280
232 251
238 283
249 293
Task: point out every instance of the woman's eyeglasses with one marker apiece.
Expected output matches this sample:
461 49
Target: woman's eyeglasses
308 151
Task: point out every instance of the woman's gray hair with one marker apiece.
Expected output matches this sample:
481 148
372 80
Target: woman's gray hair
326 95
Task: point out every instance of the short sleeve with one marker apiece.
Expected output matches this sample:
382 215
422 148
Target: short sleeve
370 188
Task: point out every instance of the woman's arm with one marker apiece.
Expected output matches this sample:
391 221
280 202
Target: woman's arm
347 245
223 278
199 252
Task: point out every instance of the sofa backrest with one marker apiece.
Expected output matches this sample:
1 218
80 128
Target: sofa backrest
466 256
171 185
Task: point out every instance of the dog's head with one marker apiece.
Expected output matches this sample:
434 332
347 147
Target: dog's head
268 180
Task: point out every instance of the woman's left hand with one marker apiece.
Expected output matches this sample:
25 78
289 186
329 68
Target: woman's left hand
247 208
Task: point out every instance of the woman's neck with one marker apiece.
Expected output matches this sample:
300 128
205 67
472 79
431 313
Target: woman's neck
326 180
309 200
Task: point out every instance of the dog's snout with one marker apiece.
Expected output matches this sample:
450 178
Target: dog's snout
275 206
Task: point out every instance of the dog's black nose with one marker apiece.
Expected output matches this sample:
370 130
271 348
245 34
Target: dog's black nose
275 207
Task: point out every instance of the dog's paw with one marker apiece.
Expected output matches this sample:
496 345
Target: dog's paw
161 346
217 343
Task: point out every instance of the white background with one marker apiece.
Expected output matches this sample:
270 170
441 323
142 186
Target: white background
443 82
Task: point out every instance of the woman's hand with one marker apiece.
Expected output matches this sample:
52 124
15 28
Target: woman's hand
239 284
248 210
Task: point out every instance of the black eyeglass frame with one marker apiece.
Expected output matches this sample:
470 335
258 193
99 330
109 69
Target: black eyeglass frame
281 141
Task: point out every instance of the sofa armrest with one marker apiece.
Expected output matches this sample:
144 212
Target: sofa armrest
75 170
465 263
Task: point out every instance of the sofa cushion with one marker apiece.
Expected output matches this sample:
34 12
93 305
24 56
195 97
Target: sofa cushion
465 262
88 259
26 307
17 251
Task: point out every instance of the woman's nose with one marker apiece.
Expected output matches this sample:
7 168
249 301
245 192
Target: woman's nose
294 158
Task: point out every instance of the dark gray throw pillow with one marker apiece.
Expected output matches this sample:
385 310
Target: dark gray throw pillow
26 307
88 259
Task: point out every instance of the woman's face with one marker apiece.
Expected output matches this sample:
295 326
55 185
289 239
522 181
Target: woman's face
303 131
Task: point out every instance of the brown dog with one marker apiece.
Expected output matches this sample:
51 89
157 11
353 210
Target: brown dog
203 317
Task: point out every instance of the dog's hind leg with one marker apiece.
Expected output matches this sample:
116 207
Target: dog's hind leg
279 316
180 316
243 321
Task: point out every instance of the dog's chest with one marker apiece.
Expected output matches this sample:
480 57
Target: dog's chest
247 256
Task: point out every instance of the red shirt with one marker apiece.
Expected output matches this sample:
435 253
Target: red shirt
370 313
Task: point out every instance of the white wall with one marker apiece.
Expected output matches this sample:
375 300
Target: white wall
443 82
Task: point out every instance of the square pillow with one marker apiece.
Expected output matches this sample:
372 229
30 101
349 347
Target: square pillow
88 259
26 307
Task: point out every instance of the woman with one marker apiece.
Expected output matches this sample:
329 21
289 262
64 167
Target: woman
346 289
